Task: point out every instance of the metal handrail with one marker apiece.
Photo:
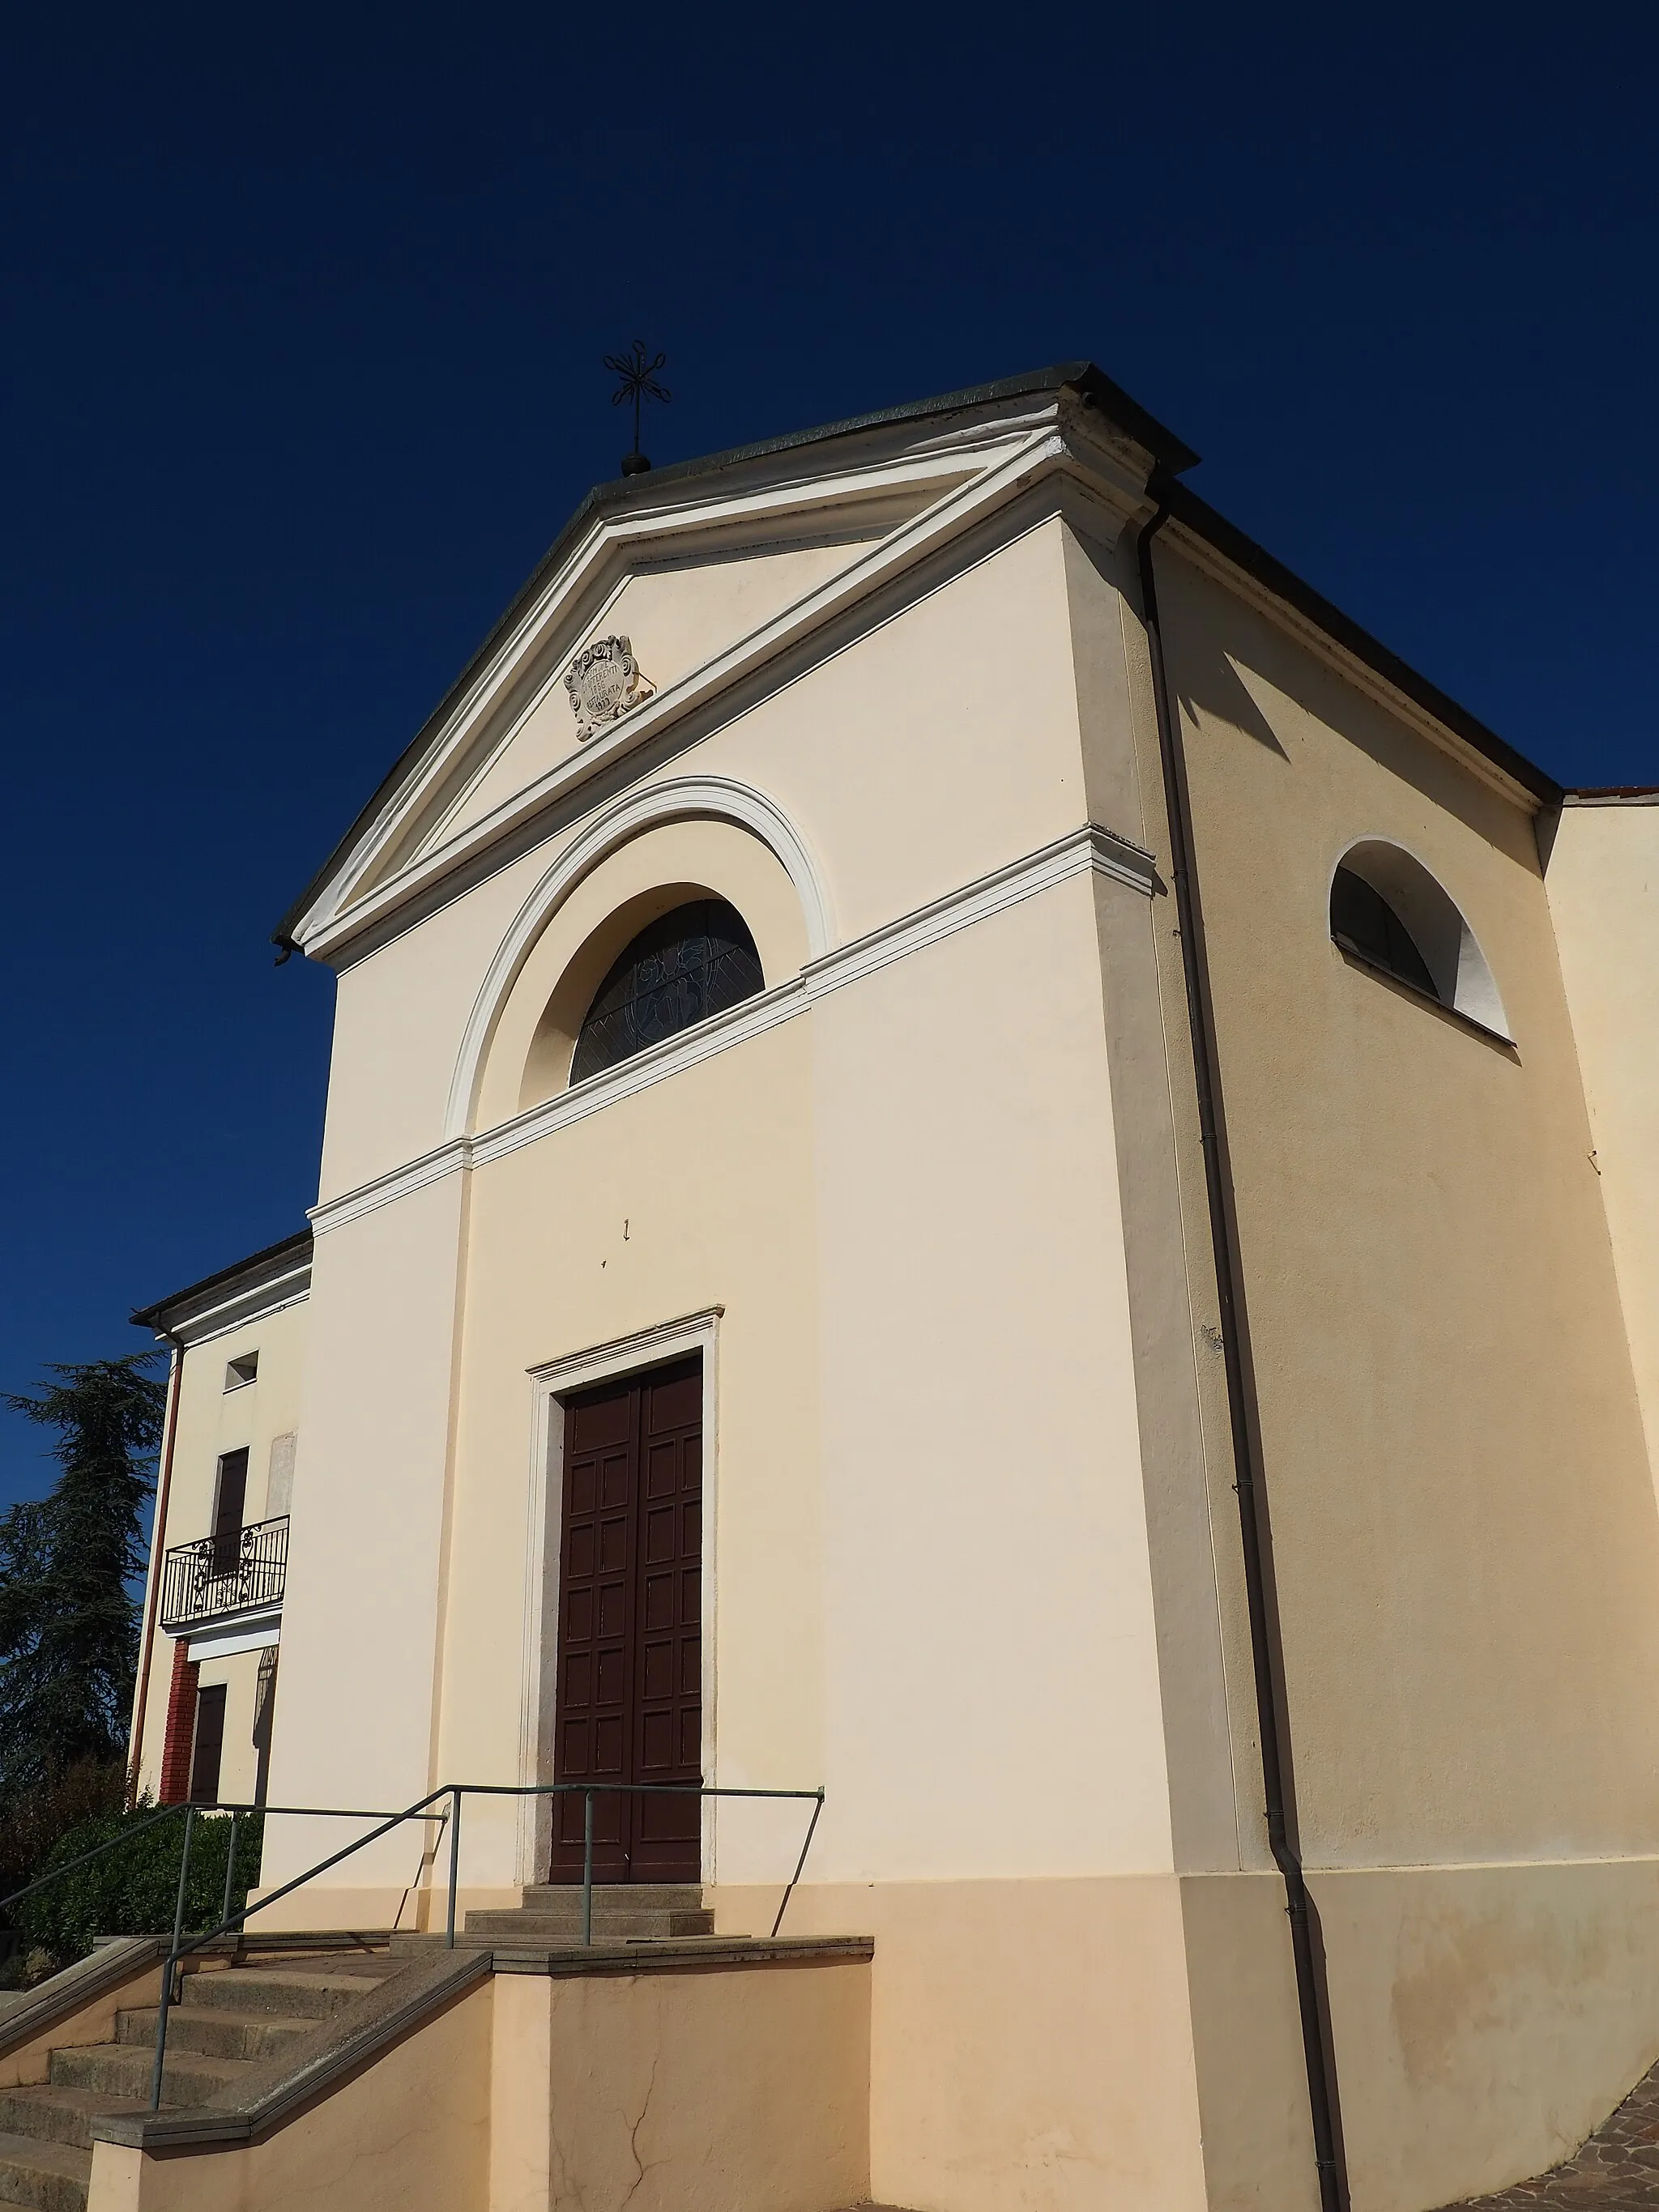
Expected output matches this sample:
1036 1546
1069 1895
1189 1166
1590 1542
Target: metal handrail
171 1811
233 1923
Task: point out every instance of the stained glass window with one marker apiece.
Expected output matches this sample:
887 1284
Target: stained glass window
1363 922
689 964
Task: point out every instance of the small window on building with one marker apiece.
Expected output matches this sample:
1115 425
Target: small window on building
208 1751
1363 922
242 1371
689 964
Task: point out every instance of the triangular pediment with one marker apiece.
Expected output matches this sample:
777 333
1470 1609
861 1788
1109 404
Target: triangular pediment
707 576
676 617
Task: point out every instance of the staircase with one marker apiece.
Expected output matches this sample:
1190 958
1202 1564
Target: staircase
624 1913
229 2020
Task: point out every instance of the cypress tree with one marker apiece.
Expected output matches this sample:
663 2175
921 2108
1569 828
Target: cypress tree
69 1619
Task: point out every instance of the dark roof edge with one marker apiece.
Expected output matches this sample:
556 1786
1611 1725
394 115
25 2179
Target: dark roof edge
1284 583
1611 795
1171 454
257 1263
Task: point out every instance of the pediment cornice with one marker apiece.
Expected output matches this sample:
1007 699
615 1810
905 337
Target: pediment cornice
932 497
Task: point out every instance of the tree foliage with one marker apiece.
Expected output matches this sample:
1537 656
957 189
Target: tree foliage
133 1889
69 1619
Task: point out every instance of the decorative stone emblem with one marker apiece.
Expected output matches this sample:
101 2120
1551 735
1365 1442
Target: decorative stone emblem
604 684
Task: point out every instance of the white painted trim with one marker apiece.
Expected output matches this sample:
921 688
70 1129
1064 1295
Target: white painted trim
396 1182
538 1666
1090 849
237 1636
331 925
750 1018
707 798
290 1288
640 531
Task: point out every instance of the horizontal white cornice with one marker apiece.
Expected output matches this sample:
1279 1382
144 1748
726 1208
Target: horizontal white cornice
1091 849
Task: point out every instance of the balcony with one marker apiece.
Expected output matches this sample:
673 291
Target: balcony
237 1574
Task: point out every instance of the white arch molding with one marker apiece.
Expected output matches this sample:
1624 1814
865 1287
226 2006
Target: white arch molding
692 798
1437 924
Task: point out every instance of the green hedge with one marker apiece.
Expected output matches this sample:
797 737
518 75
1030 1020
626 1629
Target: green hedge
134 1889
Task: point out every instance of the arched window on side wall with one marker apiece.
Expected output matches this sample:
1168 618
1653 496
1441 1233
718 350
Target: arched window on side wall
1388 911
688 964
1363 922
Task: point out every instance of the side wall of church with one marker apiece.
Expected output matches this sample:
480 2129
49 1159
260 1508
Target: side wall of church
1463 1522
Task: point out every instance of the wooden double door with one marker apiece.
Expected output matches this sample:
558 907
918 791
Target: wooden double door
629 1691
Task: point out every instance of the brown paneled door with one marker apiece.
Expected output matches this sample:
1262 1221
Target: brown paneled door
630 1634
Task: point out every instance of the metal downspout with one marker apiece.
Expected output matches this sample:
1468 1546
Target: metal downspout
1272 1720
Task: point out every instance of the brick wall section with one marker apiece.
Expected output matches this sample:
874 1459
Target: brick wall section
181 1726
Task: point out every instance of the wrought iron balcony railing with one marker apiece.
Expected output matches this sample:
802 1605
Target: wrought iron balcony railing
239 1570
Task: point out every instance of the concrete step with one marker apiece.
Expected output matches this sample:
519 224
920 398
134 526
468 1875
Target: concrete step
123 2070
309 1994
637 1927
45 2177
212 2029
615 1896
61 2116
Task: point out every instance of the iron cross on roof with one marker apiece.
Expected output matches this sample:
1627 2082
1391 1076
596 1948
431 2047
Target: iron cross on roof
637 372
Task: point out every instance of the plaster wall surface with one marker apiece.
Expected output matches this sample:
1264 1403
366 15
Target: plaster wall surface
1030 2041
1462 1518
936 746
682 2092
364 1611
1485 2018
1603 880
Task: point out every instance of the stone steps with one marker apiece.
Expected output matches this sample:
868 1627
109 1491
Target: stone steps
59 2115
213 2030
624 1913
292 1993
226 2021
45 2177
562 1928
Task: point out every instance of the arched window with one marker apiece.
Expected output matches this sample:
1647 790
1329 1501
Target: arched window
1388 911
1363 922
690 963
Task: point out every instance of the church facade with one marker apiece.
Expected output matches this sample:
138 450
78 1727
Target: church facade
978 1158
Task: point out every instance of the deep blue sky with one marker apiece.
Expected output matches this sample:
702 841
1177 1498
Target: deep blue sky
304 318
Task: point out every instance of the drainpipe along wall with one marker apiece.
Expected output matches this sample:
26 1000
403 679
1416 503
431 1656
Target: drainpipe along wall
1254 1531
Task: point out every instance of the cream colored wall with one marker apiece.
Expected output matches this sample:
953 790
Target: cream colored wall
1031 2042
1463 1523
931 1578
213 1420
1485 2018
918 714
1603 881
363 1617
683 2092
